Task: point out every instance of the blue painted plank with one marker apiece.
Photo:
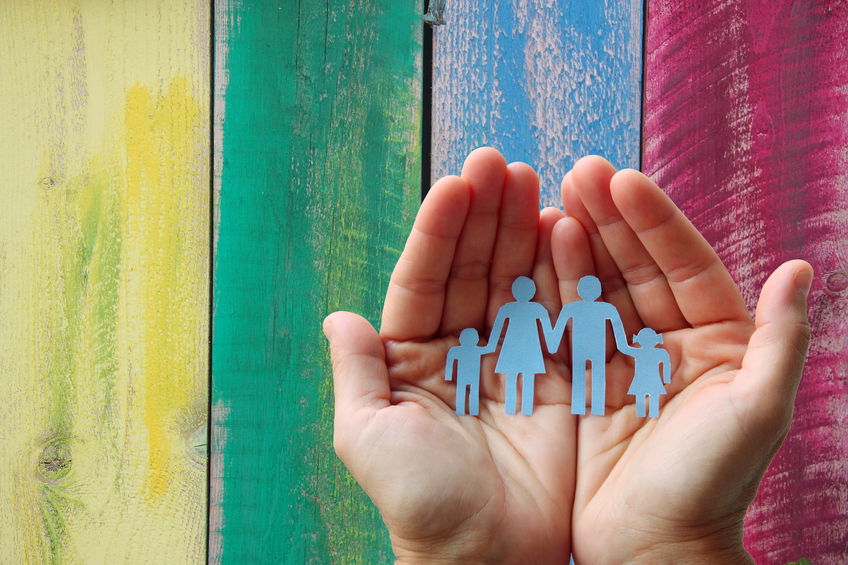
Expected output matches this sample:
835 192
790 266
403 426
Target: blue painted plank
544 82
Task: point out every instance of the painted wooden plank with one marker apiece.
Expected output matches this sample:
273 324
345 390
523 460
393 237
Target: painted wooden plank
104 259
320 171
545 82
746 122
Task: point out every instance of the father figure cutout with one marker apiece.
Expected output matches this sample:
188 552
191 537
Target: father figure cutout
588 342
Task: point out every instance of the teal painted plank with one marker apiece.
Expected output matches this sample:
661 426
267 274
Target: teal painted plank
318 127
545 82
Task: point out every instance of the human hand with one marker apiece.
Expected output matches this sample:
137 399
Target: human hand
496 488
675 489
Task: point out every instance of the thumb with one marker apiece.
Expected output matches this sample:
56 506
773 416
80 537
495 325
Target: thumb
771 368
360 377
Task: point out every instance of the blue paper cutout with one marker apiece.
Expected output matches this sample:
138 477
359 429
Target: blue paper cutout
521 352
588 342
466 357
646 382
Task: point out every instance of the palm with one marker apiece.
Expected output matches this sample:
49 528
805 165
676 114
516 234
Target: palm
467 469
491 487
651 479
506 488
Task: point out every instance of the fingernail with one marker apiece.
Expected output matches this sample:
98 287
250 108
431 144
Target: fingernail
803 281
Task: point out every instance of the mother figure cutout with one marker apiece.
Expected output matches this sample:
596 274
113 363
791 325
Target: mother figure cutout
521 352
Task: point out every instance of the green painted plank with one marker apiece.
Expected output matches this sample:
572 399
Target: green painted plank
318 115
544 82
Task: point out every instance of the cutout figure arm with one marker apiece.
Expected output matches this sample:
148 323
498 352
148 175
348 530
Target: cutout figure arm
627 349
548 332
558 331
449 363
497 329
618 332
665 360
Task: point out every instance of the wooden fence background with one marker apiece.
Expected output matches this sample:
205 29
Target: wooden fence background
189 186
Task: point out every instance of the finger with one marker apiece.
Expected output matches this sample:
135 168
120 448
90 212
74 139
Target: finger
467 289
589 175
646 285
416 293
518 224
772 366
702 287
360 377
544 272
572 256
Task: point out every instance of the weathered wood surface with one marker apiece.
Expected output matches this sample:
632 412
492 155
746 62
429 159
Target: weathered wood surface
104 260
544 82
746 123
319 121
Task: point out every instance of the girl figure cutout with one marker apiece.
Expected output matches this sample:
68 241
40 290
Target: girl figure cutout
646 381
521 351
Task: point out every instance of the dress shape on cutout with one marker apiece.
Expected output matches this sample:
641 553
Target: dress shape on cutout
647 381
521 350
467 358
588 342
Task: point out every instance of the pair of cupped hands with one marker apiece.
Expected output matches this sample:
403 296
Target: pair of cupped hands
616 488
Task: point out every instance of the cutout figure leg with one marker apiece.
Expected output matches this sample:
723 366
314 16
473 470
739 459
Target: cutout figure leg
460 398
640 405
599 386
578 386
654 411
511 391
527 394
474 399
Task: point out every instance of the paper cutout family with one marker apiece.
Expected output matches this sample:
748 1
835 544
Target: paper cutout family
521 352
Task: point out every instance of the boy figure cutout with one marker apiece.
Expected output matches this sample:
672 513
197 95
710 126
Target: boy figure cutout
466 356
646 380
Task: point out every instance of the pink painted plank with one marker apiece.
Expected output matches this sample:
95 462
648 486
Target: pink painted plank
746 125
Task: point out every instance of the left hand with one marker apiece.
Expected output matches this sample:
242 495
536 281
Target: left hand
675 489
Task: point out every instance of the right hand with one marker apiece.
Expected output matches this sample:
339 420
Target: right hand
495 488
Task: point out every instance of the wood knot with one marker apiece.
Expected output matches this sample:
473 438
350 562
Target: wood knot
196 443
837 281
55 461
47 183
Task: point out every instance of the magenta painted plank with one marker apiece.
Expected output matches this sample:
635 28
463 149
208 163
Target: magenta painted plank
746 125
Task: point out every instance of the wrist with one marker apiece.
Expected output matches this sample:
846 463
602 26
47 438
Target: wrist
405 556
693 553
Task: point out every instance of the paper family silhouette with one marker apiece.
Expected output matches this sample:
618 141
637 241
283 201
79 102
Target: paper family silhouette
521 352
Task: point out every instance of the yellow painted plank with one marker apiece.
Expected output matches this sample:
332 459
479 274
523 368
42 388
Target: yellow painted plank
104 262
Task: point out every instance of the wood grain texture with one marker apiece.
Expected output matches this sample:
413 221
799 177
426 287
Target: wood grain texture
320 178
746 124
545 82
104 258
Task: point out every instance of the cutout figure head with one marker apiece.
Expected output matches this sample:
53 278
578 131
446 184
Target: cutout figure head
469 336
589 288
523 289
647 338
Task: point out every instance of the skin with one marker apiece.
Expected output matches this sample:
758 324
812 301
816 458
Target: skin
517 489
